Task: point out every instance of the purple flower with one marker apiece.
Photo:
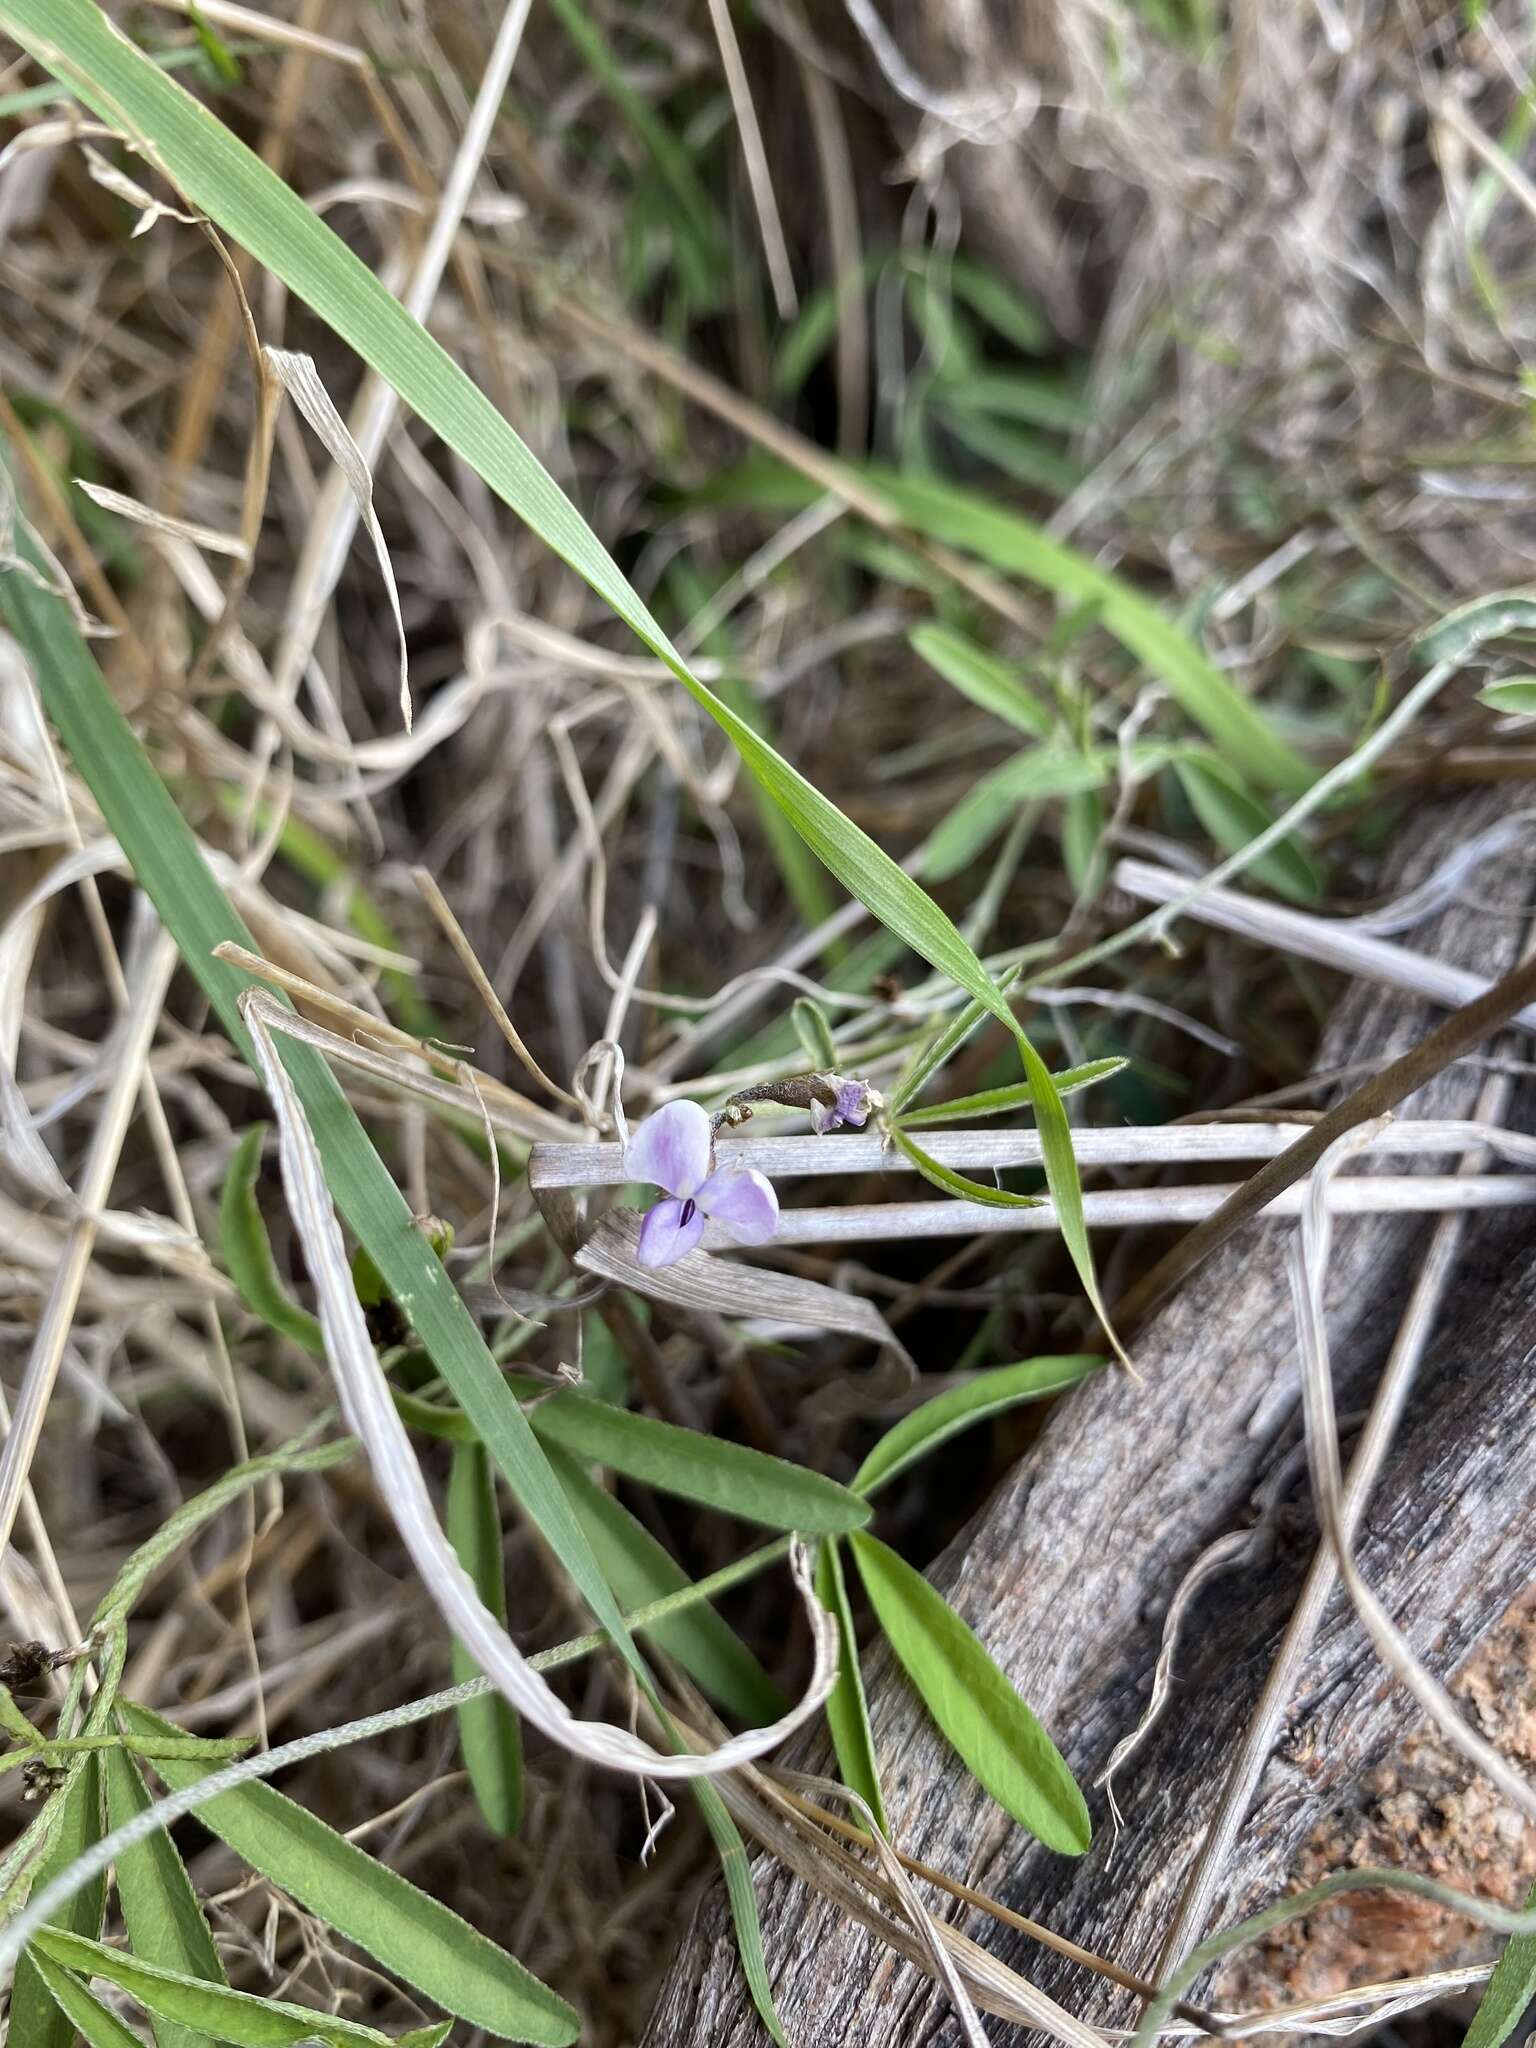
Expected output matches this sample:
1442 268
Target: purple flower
674 1150
855 1099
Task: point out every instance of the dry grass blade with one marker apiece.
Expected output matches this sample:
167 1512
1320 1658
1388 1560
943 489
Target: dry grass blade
299 378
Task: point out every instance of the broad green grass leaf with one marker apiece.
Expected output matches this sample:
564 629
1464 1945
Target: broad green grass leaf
847 1707
957 1184
981 677
991 1393
138 810
405 1931
234 2016
248 1250
711 1652
1510 1990
728 1476
160 1910
241 194
34 2017
1515 694
1031 776
490 1734
990 1728
1233 815
86 2014
1018 1095
964 519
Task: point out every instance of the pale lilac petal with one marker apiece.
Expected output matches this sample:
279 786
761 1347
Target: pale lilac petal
671 1149
822 1118
669 1232
852 1104
742 1202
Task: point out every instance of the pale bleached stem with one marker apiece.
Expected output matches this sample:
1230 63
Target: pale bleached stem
598 1166
334 525
1325 940
95 1187
1125 1209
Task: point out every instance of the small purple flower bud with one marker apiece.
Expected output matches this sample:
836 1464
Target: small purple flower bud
851 1105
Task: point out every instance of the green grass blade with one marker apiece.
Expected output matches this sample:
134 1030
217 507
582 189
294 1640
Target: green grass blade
1031 776
941 1048
139 812
241 194
963 519
160 1910
978 1711
711 1652
991 1393
847 1706
407 1932
1000 1101
958 1184
728 1476
1510 1990
248 1250
742 1897
233 2016
981 677
490 1733
34 2016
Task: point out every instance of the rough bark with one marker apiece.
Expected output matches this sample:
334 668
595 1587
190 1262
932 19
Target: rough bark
1068 1572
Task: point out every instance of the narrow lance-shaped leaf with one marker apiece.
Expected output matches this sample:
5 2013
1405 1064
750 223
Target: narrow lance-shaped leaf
241 194
160 1910
711 1652
490 1734
981 677
1017 1095
84 2013
958 1184
247 1249
1030 776
35 2018
405 1930
731 1477
1510 1990
991 1393
992 1731
1233 816
847 1707
234 2016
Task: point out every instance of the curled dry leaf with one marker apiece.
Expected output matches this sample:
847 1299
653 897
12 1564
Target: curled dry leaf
371 1415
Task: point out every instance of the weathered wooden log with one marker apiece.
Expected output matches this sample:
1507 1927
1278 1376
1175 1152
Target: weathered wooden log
1069 1571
